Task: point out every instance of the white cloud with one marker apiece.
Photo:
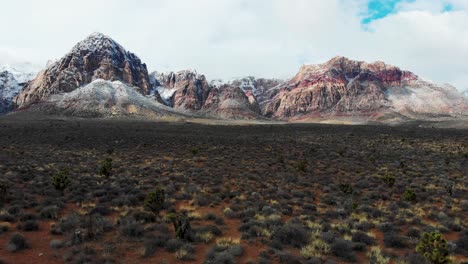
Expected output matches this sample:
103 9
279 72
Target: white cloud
269 38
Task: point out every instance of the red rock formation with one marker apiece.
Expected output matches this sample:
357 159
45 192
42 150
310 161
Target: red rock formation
231 102
339 86
96 57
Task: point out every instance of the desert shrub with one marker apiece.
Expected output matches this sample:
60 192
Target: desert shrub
236 250
4 228
132 230
3 192
292 234
287 258
185 252
27 216
14 210
343 249
387 227
316 249
105 167
154 201
302 165
389 180
434 248
149 247
56 244
210 228
101 210
328 199
210 217
359 246
94 226
462 243
375 256
364 226
413 233
173 245
464 205
194 150
29 225
143 217
346 188
49 212
394 240
66 224
215 257
409 195
16 243
61 180
363 238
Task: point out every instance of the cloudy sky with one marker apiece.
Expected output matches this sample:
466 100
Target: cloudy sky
232 38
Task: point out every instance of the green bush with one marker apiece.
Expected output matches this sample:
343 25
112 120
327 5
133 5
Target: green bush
61 180
106 167
409 195
154 201
434 248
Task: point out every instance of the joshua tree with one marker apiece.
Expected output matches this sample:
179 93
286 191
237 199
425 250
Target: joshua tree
181 225
154 201
106 167
434 248
61 180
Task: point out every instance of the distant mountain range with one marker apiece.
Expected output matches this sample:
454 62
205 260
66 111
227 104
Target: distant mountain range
99 78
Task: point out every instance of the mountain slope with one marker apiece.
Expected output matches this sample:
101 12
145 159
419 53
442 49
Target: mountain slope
103 98
343 87
96 57
189 92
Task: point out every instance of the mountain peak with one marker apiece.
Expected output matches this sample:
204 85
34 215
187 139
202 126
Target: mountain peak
98 41
96 57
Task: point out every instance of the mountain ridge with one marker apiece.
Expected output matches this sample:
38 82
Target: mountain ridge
339 87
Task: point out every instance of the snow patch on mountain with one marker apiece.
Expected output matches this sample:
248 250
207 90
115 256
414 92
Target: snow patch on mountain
12 80
427 98
166 93
106 98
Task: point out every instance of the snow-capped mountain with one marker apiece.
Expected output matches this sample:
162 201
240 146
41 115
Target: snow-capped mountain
96 57
98 77
342 87
12 81
257 86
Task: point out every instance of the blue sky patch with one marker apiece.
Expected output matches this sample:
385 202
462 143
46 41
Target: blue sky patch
377 9
447 8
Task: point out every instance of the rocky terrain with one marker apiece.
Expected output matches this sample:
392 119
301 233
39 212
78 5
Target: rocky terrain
96 57
339 89
342 87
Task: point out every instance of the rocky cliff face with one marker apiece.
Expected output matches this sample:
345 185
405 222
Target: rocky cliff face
184 90
12 81
96 57
339 87
231 102
342 87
